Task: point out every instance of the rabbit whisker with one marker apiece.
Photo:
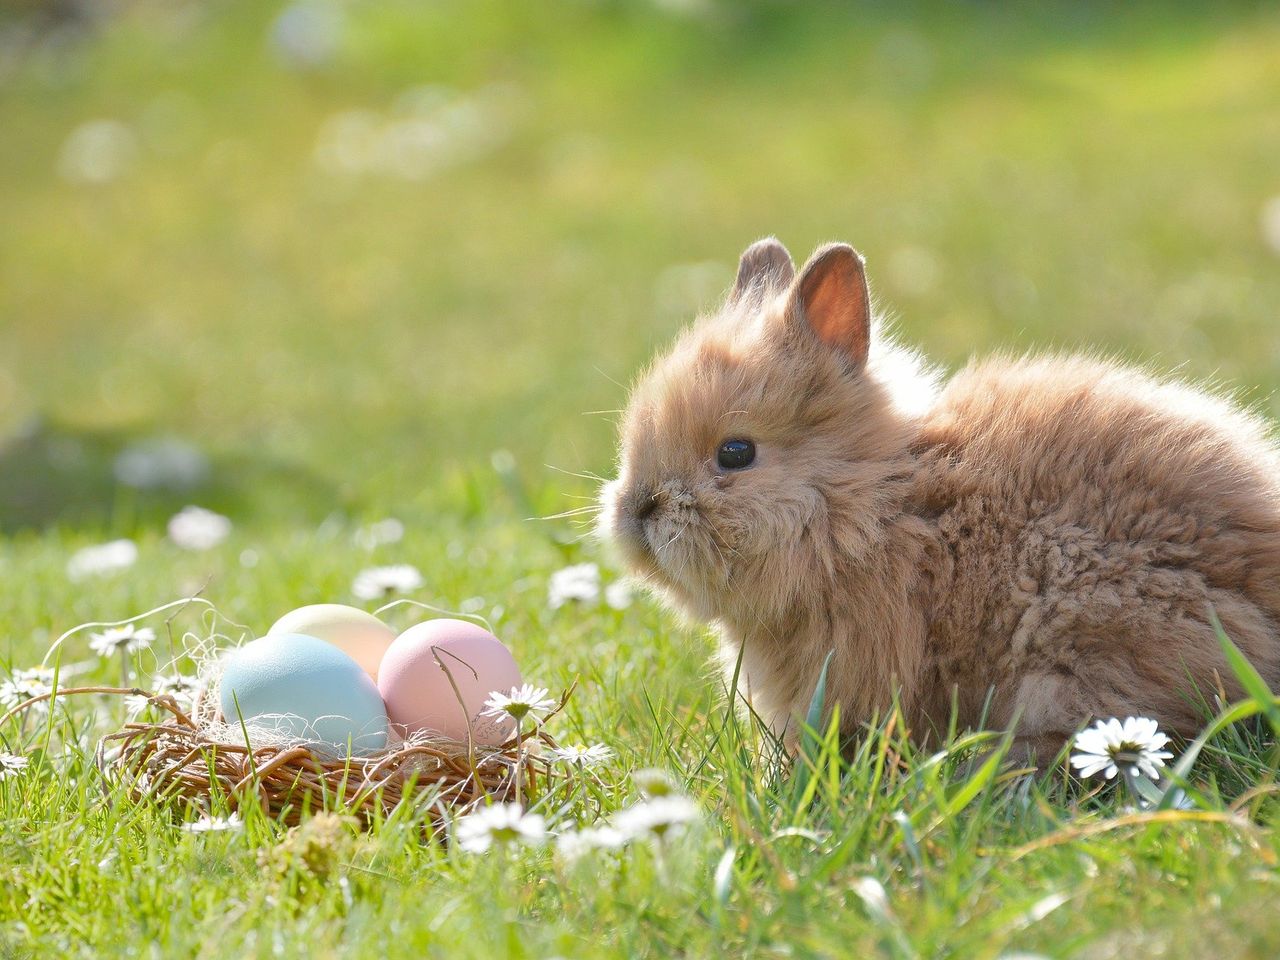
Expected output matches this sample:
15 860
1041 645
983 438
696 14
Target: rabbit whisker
576 511
581 476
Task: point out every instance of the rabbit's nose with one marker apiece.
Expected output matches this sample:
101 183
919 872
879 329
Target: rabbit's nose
645 504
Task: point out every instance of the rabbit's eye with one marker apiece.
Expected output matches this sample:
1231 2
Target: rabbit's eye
735 454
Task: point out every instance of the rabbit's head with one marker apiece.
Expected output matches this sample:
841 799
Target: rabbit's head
760 456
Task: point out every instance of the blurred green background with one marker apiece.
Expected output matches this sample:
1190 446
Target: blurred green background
314 264
340 253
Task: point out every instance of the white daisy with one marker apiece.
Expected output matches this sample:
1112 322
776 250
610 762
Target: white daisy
12 765
195 528
873 895
97 152
578 843
618 594
126 639
102 559
580 582
1270 220
377 583
524 701
580 755
161 462
653 782
659 817
374 535
26 685
1142 805
1132 746
308 34
180 686
208 824
499 825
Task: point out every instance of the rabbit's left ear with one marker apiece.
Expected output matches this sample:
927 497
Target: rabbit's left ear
765 267
831 298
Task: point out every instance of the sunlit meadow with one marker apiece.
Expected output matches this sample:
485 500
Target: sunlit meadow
337 301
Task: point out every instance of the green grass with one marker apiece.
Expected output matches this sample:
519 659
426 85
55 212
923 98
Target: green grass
344 348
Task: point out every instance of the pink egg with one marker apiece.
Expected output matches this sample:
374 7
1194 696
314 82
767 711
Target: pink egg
414 680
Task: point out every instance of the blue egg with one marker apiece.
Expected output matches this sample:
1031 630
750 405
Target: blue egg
307 690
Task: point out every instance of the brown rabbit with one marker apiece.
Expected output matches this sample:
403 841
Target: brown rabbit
1039 542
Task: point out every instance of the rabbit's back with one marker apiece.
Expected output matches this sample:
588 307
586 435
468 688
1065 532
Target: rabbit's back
1089 516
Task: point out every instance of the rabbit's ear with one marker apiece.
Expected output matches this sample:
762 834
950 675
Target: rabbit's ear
832 300
765 267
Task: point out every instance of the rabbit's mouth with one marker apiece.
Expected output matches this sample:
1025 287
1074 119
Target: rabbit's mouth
676 539
667 543
622 523
650 526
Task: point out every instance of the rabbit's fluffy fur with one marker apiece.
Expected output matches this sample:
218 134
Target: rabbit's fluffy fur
1034 544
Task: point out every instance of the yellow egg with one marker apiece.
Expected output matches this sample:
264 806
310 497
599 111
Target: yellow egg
361 636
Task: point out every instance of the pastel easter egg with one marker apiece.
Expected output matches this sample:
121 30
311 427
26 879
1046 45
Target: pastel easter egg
361 636
304 689
414 679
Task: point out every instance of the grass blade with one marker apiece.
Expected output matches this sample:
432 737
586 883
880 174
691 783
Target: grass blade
813 719
1250 680
1177 774
813 743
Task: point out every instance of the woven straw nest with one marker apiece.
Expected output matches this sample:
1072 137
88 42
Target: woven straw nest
196 756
